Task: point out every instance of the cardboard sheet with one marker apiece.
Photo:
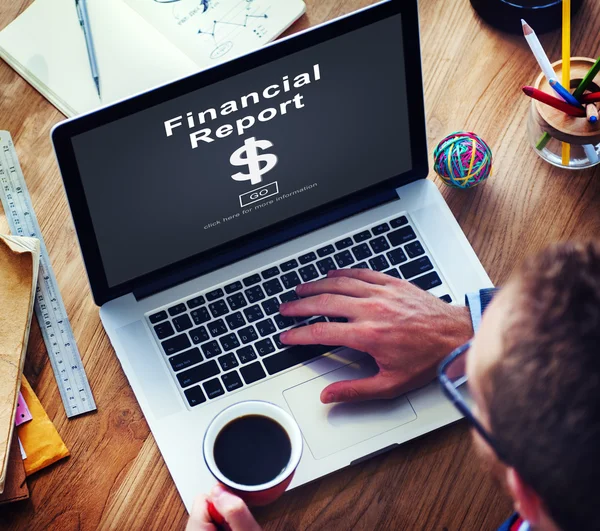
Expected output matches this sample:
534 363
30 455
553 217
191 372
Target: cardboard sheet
15 488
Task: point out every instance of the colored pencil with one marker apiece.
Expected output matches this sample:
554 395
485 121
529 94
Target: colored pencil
543 141
592 97
564 93
589 77
543 62
591 112
590 153
546 98
538 51
566 66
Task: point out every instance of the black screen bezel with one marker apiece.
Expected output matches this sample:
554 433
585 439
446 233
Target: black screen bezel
279 232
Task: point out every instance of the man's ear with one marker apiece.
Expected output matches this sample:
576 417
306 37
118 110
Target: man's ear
527 503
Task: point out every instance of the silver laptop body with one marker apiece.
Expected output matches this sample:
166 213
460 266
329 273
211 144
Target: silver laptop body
194 338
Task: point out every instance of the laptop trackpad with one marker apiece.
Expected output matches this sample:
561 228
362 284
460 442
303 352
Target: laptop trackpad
329 428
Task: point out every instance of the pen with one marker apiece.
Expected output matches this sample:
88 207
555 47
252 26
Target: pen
589 77
593 97
545 65
554 102
590 152
538 51
219 522
592 113
84 21
564 93
566 71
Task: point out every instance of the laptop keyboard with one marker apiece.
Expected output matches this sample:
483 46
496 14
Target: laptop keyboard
227 337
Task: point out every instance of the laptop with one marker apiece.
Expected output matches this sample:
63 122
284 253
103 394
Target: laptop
201 204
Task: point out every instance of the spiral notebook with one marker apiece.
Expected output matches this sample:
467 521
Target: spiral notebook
140 44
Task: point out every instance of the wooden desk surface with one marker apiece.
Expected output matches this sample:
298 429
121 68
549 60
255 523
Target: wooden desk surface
116 479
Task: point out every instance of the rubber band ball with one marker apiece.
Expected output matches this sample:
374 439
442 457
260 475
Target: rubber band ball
463 160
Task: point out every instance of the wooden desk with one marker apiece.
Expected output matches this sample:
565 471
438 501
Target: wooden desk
116 479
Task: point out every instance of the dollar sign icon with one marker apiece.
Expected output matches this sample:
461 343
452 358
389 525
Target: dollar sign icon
248 155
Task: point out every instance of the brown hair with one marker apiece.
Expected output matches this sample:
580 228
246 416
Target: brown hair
544 398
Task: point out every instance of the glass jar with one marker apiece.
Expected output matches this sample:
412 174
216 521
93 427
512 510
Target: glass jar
548 128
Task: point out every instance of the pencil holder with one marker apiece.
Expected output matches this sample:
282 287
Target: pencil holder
548 128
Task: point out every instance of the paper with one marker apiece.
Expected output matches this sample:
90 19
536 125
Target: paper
212 31
23 454
46 45
23 414
41 442
19 261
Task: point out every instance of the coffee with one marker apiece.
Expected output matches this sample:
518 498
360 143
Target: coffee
252 450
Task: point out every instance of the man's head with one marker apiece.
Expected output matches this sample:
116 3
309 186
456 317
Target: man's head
534 372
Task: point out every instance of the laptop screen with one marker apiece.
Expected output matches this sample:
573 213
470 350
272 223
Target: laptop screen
222 162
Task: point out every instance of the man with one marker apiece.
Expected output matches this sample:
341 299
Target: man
533 372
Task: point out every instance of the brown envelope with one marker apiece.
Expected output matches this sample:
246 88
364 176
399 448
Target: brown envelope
15 488
19 261
42 443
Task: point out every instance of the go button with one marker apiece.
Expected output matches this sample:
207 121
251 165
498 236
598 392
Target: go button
258 194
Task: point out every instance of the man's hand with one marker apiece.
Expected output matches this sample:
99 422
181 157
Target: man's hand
232 509
407 331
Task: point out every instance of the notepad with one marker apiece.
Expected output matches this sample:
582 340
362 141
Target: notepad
140 44
19 263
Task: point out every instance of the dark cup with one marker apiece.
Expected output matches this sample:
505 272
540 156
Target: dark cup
506 15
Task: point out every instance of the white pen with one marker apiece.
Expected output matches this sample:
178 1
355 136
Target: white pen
84 21
538 51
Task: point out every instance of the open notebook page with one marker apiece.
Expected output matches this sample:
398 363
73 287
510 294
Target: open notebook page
213 31
46 46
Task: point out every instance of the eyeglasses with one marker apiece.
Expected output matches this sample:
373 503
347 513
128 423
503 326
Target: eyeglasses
452 375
